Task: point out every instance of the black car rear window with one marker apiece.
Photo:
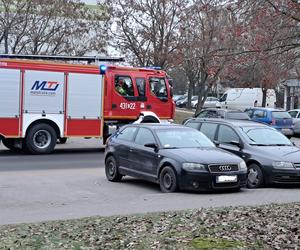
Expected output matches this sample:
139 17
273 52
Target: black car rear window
238 116
127 134
281 115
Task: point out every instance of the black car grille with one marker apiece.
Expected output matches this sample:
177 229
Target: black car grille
297 165
224 168
286 179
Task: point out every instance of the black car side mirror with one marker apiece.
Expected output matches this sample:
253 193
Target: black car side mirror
152 145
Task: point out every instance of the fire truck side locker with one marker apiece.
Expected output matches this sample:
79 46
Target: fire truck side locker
10 85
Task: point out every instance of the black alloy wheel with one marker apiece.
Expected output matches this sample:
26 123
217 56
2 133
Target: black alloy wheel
255 176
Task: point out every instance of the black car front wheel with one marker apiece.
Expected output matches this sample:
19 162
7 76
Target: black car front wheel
111 170
255 176
168 180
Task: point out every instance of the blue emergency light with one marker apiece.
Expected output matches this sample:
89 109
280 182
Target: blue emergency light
103 68
153 67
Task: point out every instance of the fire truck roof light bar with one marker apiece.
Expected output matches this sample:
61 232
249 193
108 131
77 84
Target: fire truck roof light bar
88 59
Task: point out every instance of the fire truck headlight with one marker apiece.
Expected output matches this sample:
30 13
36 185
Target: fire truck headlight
103 69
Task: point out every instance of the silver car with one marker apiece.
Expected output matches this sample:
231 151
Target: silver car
210 102
295 114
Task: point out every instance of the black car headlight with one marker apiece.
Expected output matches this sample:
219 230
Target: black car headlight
283 165
243 166
189 166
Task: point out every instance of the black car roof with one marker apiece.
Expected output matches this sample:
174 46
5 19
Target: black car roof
157 125
235 123
225 110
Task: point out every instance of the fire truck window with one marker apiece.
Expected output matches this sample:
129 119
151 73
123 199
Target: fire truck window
141 83
158 87
124 86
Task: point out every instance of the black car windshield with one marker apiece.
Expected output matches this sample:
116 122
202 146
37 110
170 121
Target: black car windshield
265 136
238 116
183 138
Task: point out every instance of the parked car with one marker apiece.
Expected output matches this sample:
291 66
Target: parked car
222 114
176 157
295 114
269 155
242 98
210 102
279 119
182 102
177 97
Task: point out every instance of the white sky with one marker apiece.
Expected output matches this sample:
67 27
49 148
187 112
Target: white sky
89 1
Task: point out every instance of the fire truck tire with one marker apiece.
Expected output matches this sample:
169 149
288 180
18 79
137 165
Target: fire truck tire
105 133
9 143
40 139
62 140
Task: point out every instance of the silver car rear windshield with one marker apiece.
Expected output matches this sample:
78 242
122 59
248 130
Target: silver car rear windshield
281 115
183 138
238 116
262 136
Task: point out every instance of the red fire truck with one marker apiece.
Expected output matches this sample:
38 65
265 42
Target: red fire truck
45 101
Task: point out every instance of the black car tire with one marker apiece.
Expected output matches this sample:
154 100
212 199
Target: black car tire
41 139
168 180
111 170
255 176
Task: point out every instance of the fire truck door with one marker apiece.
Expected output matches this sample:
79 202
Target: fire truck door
84 114
128 95
159 99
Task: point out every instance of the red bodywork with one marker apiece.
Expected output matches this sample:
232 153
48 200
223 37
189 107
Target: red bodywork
116 107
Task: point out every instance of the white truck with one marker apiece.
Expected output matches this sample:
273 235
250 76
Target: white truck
242 98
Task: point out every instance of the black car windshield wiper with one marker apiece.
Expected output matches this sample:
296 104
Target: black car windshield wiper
260 144
280 144
170 147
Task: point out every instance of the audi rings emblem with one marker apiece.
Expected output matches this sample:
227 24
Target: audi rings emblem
225 168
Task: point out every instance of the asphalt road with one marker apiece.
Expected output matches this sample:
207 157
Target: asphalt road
71 183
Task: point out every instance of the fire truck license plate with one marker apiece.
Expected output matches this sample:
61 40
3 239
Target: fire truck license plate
125 105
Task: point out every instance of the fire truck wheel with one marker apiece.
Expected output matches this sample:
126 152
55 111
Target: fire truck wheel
41 139
10 144
111 170
62 140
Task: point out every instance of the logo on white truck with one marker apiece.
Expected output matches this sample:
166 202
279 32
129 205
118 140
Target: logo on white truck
47 88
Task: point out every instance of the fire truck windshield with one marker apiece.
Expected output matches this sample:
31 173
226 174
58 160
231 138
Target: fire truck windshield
158 87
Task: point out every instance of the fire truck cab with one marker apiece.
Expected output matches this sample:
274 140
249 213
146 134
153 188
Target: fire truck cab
42 101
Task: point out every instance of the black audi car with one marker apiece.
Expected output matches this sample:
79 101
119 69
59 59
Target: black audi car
175 156
270 156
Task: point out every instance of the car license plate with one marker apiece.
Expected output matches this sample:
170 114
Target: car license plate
226 178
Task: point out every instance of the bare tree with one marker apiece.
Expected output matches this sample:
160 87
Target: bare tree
208 39
147 31
52 27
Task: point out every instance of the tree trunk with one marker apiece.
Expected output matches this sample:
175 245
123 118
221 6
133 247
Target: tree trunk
201 98
6 50
264 97
190 93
